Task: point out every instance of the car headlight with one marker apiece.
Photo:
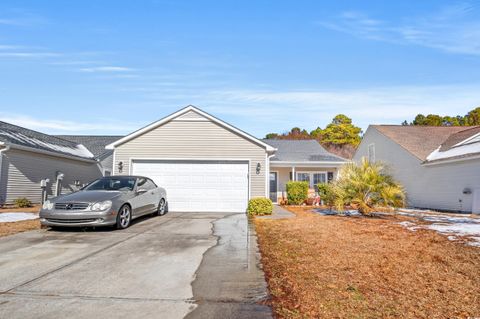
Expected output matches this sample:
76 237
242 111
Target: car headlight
47 205
101 205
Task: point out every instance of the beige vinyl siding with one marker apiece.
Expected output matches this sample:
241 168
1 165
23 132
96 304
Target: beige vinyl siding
198 139
26 169
436 186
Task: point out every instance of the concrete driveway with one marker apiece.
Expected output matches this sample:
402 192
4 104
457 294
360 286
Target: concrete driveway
183 264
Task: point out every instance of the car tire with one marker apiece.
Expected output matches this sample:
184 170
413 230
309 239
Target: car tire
162 207
124 217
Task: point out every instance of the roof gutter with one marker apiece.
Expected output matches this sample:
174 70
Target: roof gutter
307 164
451 160
35 150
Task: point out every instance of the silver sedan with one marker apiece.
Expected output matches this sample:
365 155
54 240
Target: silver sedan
113 200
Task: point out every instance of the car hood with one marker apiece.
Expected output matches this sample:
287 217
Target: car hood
88 196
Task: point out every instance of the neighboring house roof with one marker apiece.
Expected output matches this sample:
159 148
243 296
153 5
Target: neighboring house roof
94 143
301 151
20 137
181 112
418 140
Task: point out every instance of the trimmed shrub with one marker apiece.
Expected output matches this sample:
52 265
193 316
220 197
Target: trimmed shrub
327 194
297 192
22 202
259 206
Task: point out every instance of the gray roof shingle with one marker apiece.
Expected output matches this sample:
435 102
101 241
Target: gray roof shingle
95 143
17 135
301 151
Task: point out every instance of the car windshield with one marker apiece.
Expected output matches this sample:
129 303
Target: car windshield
112 184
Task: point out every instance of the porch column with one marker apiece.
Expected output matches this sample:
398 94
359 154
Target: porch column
293 174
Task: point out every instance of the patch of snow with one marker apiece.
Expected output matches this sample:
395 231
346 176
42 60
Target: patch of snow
78 150
350 212
15 217
457 229
455 151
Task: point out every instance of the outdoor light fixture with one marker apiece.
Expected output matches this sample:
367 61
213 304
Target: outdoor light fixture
259 166
120 166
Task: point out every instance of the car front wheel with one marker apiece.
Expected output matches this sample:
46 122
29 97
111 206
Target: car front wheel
162 207
124 217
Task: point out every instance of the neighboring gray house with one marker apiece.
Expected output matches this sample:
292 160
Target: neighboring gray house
96 145
438 166
27 157
206 164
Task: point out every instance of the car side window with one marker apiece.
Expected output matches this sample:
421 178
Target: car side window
149 185
141 183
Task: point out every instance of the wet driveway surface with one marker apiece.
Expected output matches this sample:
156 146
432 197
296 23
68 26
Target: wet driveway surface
194 265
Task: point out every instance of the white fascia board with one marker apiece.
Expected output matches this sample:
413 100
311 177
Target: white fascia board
450 160
35 150
307 164
158 123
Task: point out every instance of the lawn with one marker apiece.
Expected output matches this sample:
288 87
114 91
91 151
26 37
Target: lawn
356 267
20 226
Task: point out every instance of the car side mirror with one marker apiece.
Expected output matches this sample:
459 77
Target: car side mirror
141 191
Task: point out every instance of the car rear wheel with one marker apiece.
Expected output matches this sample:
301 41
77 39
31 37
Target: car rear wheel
124 217
162 207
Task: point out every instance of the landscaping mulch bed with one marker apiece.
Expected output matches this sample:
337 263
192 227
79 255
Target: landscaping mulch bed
358 267
20 226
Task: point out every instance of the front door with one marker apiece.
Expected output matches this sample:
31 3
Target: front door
273 186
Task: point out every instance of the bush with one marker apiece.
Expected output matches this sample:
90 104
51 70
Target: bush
260 206
22 202
367 186
327 194
297 192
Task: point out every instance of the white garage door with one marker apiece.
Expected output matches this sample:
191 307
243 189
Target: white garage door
200 186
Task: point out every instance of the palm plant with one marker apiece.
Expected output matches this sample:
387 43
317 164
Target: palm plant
366 186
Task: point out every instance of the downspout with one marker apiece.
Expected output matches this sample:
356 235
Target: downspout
3 150
267 176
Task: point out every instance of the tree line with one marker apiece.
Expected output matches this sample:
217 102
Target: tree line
341 136
470 119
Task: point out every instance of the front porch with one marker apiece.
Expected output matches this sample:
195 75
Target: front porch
281 174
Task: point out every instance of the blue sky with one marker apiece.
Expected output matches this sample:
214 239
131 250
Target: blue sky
110 67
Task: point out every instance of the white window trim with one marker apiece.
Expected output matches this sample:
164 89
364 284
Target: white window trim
311 185
278 184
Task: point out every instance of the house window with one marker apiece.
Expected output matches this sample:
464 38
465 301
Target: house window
319 178
303 177
313 178
371 153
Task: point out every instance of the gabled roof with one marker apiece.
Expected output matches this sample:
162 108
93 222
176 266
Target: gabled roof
94 143
418 140
20 137
459 138
301 151
181 112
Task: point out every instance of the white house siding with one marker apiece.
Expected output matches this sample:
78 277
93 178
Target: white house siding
436 186
107 163
194 137
23 171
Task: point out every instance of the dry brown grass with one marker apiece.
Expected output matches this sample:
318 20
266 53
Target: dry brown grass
347 267
21 226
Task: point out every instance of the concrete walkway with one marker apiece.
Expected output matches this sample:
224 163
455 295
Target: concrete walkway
278 213
146 271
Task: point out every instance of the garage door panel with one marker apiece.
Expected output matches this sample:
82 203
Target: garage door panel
199 186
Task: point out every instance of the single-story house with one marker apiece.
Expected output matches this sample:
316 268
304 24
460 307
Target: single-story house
438 166
27 157
206 164
300 160
96 145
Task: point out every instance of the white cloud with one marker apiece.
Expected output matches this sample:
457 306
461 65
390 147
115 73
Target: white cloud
29 54
265 111
454 29
106 69
69 127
